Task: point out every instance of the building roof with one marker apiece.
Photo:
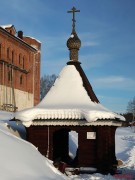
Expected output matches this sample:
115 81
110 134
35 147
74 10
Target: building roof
67 122
69 101
7 26
4 29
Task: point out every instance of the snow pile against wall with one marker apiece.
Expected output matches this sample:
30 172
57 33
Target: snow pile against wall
6 115
21 160
67 99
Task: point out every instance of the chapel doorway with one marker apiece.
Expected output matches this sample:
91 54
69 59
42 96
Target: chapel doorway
65 146
60 145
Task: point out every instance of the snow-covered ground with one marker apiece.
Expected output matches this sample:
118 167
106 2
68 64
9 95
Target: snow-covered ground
20 160
125 145
125 151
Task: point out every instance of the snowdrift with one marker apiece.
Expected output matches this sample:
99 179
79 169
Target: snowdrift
21 160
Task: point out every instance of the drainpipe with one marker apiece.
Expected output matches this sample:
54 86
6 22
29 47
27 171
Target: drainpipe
47 155
34 68
3 86
33 77
6 87
13 90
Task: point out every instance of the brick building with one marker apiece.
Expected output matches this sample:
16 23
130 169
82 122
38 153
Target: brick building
19 70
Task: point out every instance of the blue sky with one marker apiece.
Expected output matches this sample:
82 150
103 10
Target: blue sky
107 32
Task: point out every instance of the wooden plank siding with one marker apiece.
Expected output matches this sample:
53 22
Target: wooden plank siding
99 152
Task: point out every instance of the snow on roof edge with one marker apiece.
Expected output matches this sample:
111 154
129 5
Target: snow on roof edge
6 26
29 115
33 39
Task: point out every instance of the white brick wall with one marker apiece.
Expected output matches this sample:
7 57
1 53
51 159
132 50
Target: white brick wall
23 99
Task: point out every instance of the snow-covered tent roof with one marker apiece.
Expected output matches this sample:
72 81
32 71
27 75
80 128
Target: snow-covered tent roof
69 102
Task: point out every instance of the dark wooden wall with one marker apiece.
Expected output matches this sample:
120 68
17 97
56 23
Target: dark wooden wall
86 147
99 152
38 135
106 148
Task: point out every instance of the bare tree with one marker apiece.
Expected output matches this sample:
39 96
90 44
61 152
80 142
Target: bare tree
46 82
131 108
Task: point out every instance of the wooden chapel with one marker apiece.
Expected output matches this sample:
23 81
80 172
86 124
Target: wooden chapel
71 105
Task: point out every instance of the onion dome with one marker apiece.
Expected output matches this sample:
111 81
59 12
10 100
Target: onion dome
73 43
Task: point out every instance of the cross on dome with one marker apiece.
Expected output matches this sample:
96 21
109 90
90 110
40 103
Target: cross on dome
73 10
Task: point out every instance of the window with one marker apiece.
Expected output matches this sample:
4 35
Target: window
7 53
36 86
19 59
12 56
10 76
23 62
21 79
36 70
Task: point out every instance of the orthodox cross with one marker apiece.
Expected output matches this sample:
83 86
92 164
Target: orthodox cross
73 10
